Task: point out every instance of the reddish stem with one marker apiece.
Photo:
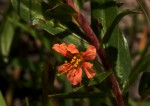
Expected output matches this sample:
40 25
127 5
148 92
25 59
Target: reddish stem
84 25
87 30
116 90
112 78
94 41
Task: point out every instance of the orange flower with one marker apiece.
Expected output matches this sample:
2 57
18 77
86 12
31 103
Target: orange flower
73 67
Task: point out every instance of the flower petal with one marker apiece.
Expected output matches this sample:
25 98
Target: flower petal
75 76
62 49
90 53
72 49
63 68
88 69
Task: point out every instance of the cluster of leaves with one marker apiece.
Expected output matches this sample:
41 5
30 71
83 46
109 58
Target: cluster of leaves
28 65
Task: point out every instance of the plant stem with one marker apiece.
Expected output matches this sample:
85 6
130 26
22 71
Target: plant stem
84 25
94 41
116 90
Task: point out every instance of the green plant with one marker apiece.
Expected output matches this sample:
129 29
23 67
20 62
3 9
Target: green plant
31 28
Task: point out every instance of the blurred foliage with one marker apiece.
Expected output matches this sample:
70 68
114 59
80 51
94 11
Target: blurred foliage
2 101
28 65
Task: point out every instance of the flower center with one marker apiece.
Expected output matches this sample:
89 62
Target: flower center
75 62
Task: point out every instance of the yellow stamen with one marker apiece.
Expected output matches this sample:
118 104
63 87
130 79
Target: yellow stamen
75 62
65 71
74 57
72 61
79 60
76 65
61 73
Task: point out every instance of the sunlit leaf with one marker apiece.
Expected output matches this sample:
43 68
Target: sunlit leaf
28 11
6 38
38 19
2 101
48 26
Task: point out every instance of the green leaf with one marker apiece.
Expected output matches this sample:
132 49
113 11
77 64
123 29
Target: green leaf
99 78
53 3
48 26
62 13
119 55
62 34
99 12
28 10
6 38
138 103
79 3
35 14
142 66
144 86
22 26
115 23
145 103
117 47
68 88
2 101
78 95
78 41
